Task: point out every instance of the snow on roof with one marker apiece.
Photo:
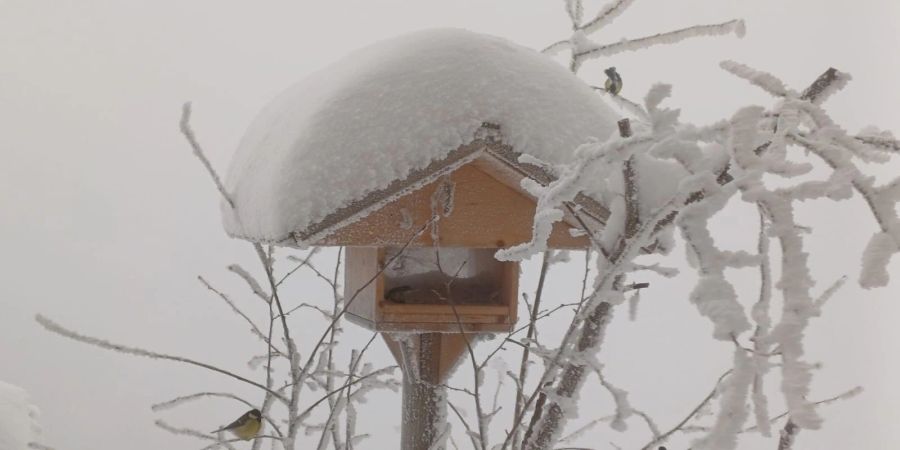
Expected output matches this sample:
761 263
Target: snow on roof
392 108
18 418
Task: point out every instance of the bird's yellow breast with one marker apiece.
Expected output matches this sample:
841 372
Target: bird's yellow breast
248 430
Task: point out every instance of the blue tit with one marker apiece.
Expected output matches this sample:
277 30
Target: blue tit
245 427
613 81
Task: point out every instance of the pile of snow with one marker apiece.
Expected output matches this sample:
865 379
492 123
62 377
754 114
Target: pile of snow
394 107
18 418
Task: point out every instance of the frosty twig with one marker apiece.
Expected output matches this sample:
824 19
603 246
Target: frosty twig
53 327
185 125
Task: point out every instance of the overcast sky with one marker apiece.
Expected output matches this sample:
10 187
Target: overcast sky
106 219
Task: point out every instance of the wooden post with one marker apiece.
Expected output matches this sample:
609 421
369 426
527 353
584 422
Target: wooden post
424 400
426 360
624 128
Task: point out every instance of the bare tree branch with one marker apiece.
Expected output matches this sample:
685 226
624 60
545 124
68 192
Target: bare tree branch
53 327
185 125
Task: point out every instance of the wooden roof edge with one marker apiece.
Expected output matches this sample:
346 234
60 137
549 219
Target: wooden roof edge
372 201
594 209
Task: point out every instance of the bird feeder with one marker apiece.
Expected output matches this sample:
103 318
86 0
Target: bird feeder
419 156
424 261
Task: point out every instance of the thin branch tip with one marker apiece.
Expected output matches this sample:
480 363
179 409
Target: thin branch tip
185 127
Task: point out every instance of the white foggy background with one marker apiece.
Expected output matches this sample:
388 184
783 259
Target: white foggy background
106 218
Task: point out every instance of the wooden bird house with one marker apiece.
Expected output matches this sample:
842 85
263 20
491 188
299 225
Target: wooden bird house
421 255
410 155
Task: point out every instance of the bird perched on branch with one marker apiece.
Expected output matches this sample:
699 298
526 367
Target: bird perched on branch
613 81
245 427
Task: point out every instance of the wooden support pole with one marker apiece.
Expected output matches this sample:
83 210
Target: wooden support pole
427 360
424 399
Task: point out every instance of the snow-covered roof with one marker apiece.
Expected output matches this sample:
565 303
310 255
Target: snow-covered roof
18 418
392 109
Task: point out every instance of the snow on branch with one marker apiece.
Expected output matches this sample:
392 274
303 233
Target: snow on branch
659 438
620 398
728 160
251 282
194 433
763 80
840 397
53 327
583 48
777 205
733 410
882 246
827 84
234 308
178 401
735 27
878 139
575 10
607 14
591 158
714 296
829 143
185 126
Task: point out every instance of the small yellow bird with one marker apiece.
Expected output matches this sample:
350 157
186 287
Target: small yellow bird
245 427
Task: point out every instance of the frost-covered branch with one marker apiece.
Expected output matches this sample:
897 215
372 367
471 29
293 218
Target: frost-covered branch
477 369
304 262
582 48
526 352
678 427
758 78
592 51
188 132
178 401
607 14
826 84
732 406
623 242
251 282
196 434
53 327
357 380
299 378
787 435
717 164
253 327
881 201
